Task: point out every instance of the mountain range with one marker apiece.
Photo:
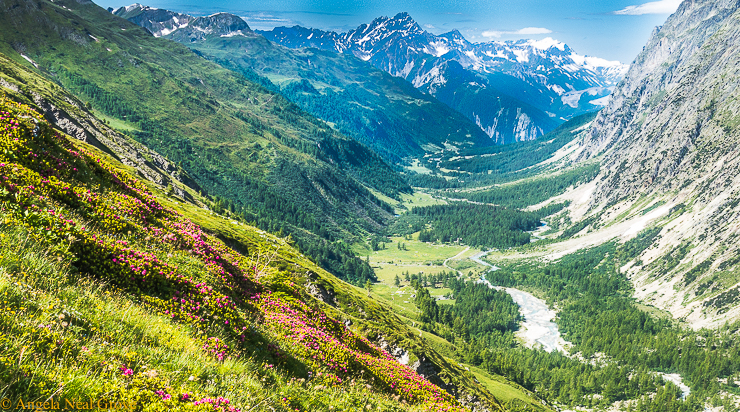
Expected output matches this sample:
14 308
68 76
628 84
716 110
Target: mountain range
197 216
544 74
384 112
513 91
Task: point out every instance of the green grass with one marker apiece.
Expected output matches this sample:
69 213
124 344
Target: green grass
37 289
116 123
416 252
417 167
113 322
420 199
513 396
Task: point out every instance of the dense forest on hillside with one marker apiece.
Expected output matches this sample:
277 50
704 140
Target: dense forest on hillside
529 191
498 164
511 160
476 225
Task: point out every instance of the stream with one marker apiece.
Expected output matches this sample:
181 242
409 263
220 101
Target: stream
537 329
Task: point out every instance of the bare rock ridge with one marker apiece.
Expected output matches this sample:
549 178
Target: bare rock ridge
670 139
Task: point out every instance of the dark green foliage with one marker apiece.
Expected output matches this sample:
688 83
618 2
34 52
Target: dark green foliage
530 192
431 181
580 225
723 300
697 271
635 246
476 225
551 209
486 315
514 157
667 399
670 260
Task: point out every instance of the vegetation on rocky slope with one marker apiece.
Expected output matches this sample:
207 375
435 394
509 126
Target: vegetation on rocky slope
109 294
238 141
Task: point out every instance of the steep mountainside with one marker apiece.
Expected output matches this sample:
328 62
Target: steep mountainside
261 155
384 112
115 292
670 142
546 74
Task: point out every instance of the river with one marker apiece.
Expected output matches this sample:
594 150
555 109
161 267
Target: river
537 329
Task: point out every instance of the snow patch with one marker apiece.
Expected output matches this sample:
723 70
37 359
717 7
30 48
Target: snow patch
546 44
602 102
522 56
234 33
29 60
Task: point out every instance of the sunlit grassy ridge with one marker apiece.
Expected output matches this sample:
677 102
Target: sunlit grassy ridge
106 292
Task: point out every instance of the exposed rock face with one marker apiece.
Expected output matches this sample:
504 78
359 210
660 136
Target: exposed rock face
671 132
162 22
159 22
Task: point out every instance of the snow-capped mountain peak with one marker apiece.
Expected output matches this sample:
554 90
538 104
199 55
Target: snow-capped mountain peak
544 73
546 44
159 22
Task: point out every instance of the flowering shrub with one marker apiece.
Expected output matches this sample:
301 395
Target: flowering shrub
116 230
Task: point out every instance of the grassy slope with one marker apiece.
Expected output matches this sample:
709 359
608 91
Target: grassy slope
102 317
382 111
222 128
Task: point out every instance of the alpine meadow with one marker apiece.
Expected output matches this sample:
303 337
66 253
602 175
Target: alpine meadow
336 206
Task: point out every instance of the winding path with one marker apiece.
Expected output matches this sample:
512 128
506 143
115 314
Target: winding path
455 257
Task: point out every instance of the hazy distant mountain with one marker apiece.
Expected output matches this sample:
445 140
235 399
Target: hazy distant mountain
544 74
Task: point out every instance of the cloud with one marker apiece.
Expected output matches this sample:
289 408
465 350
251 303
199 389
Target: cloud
654 7
527 31
429 26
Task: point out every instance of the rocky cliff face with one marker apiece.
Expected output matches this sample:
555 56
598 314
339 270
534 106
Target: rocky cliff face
669 139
